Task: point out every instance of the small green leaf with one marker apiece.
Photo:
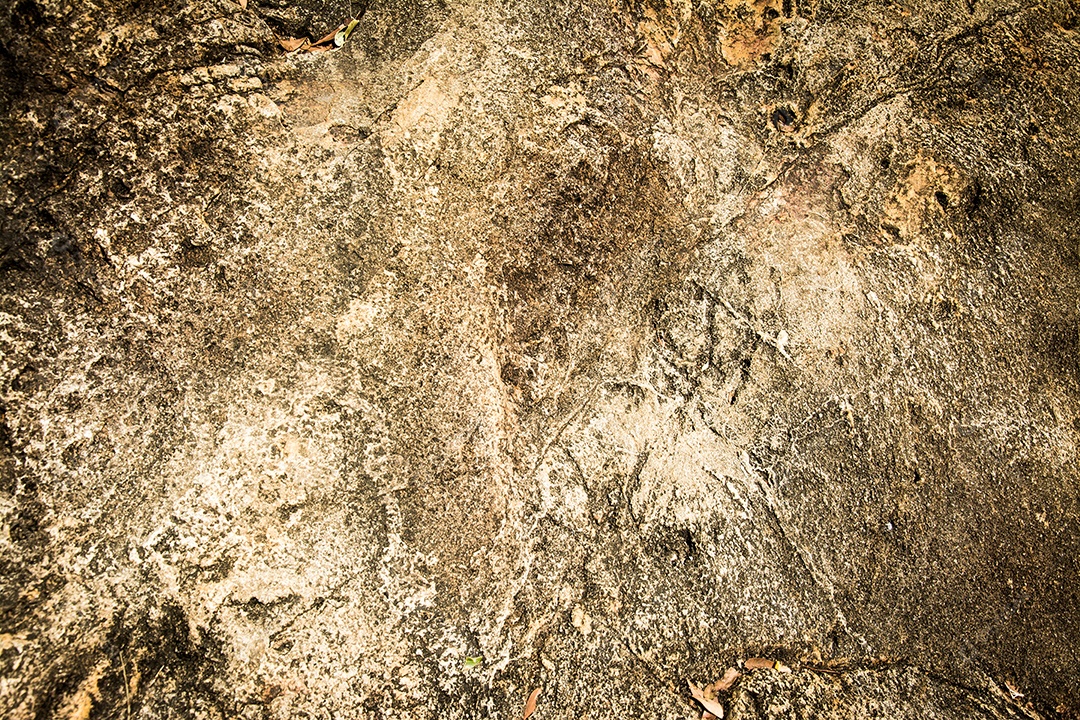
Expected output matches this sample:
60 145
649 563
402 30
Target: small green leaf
471 662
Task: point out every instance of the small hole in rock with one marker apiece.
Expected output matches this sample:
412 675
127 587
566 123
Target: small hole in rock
783 119
942 200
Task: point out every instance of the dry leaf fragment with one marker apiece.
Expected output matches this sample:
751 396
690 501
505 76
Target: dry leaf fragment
766 664
243 4
328 39
530 704
724 684
291 44
711 705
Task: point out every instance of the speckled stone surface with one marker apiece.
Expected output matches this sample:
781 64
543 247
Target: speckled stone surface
588 346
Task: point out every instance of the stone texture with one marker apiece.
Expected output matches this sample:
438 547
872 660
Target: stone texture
611 342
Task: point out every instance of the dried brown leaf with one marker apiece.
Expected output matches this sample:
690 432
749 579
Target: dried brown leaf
530 704
711 705
759 664
291 44
243 4
724 684
329 38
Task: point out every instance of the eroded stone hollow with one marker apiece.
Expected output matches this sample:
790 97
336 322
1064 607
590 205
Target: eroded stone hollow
591 346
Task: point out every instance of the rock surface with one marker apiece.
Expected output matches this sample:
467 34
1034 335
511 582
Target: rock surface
611 342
